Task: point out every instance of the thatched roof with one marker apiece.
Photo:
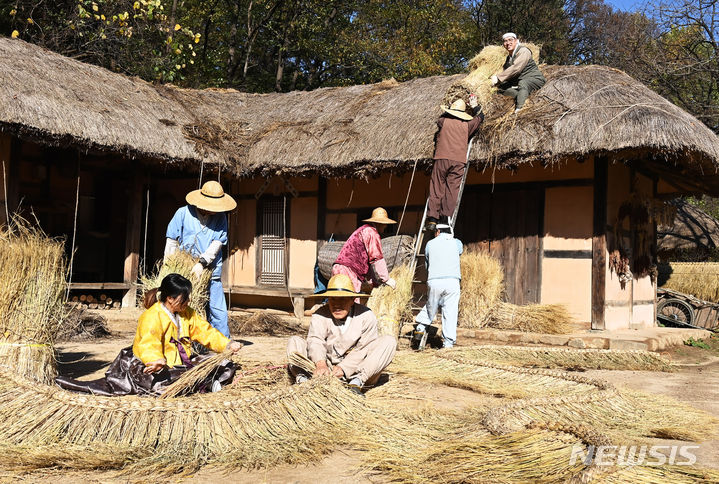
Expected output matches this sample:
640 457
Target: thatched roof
347 131
691 229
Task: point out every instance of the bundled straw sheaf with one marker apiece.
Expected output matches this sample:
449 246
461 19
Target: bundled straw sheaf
700 279
32 294
180 262
393 307
533 318
482 288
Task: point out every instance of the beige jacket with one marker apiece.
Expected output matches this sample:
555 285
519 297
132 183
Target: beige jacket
326 342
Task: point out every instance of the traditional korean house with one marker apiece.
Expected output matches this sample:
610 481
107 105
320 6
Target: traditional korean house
566 193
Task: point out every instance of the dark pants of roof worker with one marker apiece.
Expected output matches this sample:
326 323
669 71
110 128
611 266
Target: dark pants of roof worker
522 91
444 187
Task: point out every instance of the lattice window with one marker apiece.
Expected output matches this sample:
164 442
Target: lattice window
272 241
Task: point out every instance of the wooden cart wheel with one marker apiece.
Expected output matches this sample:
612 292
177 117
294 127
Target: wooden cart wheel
676 310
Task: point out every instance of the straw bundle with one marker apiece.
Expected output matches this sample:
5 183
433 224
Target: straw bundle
32 290
567 358
263 323
489 61
393 307
192 378
534 318
700 279
180 262
482 287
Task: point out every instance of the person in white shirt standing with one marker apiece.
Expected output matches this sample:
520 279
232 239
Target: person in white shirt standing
443 283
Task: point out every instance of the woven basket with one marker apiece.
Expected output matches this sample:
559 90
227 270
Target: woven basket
397 250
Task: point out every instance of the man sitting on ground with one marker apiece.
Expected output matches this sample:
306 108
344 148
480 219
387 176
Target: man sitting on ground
342 340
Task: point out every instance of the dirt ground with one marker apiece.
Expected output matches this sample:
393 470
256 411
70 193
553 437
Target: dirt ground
695 383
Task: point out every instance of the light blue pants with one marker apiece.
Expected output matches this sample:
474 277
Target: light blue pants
443 293
217 308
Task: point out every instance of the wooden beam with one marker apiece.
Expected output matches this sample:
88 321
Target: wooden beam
101 285
269 291
599 242
132 239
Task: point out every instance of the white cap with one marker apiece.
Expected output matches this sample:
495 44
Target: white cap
509 35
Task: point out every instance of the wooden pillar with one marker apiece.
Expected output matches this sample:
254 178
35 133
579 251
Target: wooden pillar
599 242
132 239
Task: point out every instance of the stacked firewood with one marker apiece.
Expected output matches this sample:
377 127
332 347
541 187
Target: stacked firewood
88 301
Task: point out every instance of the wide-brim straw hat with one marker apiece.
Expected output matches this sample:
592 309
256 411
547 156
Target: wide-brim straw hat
458 109
211 197
340 285
379 216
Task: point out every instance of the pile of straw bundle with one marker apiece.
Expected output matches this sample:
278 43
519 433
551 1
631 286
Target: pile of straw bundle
585 359
263 323
534 318
482 287
189 381
180 262
32 293
700 279
393 307
489 61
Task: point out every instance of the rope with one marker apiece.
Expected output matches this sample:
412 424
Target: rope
74 228
202 169
4 183
409 189
144 243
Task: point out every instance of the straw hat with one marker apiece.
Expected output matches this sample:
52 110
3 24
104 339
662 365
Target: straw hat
379 216
458 109
211 198
340 285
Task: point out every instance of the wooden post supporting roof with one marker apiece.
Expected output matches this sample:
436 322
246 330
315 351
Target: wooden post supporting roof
132 240
599 242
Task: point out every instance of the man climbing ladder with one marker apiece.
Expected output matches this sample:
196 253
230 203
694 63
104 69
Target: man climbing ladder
456 128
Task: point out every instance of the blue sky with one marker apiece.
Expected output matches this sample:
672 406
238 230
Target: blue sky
626 5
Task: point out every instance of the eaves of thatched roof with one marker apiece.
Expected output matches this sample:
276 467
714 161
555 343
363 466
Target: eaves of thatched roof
347 131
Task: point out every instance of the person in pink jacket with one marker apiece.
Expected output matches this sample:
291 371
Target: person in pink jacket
361 257
342 339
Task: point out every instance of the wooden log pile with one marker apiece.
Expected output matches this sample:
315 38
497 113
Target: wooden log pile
89 301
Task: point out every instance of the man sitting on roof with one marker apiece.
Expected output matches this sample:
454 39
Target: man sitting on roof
456 128
520 76
342 340
361 257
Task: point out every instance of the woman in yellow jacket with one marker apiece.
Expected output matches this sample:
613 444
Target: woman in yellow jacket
161 351
168 326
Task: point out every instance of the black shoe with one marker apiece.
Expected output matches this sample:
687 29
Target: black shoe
356 390
419 340
431 224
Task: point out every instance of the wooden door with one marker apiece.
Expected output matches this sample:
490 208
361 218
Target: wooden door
507 222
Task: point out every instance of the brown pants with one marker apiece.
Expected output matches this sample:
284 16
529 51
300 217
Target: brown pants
379 355
444 187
